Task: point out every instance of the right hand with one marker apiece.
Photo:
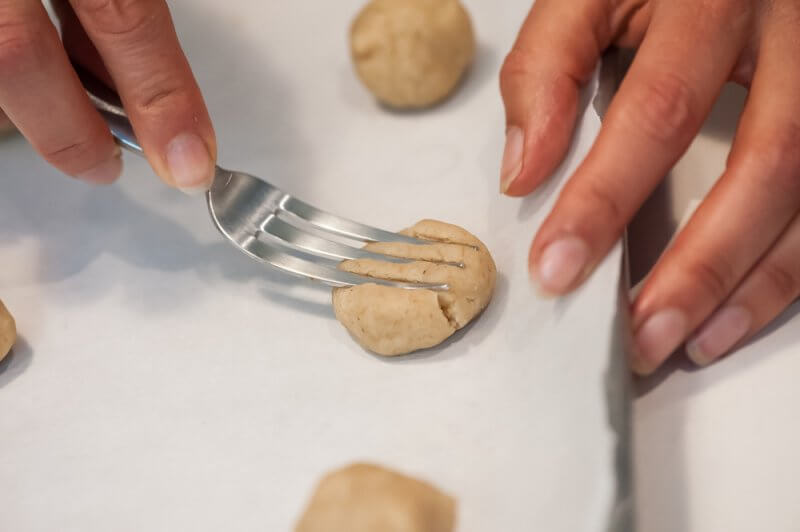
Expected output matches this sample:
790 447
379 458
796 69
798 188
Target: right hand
132 45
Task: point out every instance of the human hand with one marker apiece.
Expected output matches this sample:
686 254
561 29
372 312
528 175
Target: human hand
130 44
5 123
736 265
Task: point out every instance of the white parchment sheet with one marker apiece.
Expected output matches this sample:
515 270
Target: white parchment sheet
164 382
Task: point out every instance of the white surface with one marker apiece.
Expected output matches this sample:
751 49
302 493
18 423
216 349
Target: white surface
717 449
163 382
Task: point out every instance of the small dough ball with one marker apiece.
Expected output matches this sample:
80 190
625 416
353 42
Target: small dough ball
394 321
412 53
8 331
369 498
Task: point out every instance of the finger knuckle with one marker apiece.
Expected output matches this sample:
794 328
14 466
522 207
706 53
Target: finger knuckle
515 65
522 88
774 159
73 155
119 18
20 48
604 205
781 279
160 95
714 279
663 109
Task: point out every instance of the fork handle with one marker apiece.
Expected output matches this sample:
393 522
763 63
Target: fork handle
110 107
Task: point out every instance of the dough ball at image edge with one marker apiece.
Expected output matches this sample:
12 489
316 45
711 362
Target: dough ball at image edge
366 498
412 53
8 331
394 321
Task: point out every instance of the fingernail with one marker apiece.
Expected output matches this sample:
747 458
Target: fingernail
512 157
721 332
561 264
659 336
189 163
106 172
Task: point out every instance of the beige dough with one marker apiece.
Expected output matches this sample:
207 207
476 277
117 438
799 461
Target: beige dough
8 331
369 498
394 321
412 53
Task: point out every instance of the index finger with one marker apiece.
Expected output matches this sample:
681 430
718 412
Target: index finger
138 44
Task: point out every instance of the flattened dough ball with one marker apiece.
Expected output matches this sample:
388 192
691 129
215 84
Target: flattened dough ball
412 53
394 321
8 331
369 498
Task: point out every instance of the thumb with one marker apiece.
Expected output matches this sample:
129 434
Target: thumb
554 55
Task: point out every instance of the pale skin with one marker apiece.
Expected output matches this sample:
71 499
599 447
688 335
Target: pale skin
736 265
132 45
730 272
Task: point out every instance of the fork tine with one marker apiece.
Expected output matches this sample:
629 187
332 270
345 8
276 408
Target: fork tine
299 239
331 276
315 245
341 226
236 201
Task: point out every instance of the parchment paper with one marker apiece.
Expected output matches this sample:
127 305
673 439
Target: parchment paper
164 382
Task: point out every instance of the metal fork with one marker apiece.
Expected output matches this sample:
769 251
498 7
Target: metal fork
265 222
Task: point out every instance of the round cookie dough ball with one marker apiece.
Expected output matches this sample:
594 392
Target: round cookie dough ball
412 53
8 331
368 498
394 321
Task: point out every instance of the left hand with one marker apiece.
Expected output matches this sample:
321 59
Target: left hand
736 265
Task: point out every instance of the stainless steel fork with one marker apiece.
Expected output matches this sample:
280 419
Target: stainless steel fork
265 222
